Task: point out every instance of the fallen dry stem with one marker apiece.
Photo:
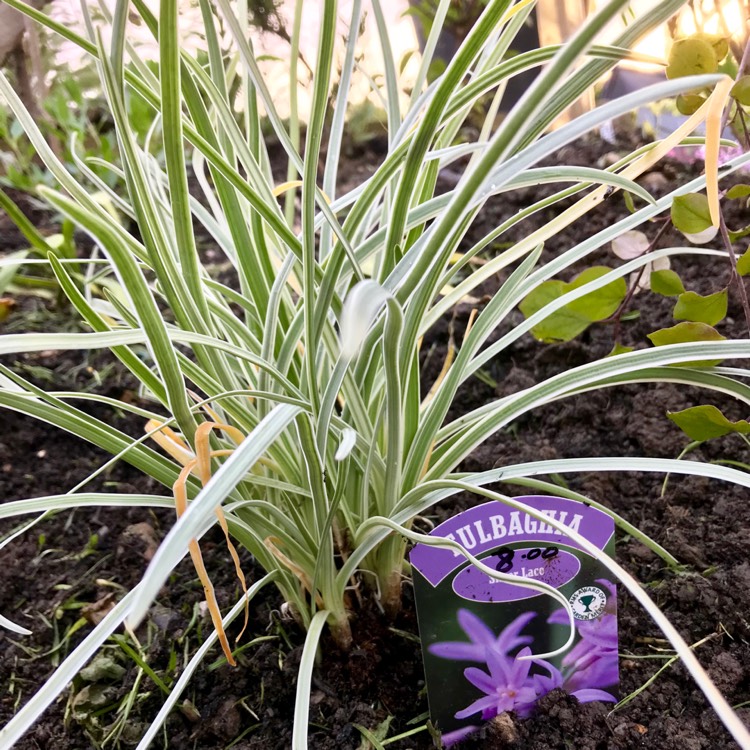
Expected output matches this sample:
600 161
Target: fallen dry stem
271 544
200 464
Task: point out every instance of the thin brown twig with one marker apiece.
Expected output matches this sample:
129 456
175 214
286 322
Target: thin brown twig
722 224
745 55
741 118
735 276
617 316
740 72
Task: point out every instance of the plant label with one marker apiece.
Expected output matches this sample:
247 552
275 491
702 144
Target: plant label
479 635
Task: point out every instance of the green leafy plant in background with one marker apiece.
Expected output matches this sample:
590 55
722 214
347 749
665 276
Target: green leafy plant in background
460 16
69 123
696 215
692 214
455 21
27 271
294 413
17 163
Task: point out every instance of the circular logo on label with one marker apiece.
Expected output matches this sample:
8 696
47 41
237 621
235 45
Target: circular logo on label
588 603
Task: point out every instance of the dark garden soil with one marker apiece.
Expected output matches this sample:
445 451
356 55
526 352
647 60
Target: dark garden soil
65 572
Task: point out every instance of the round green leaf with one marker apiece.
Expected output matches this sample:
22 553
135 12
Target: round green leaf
710 309
691 56
601 303
728 67
706 422
619 348
684 333
743 263
540 296
689 104
741 90
666 283
690 213
573 319
562 325
739 234
740 191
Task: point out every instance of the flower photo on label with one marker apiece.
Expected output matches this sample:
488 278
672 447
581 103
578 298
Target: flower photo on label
515 682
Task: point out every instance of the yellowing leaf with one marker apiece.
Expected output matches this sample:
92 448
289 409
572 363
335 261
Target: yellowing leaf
701 238
689 104
706 422
710 309
714 123
6 307
284 186
691 56
739 191
719 43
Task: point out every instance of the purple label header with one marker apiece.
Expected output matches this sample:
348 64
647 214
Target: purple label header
492 525
474 585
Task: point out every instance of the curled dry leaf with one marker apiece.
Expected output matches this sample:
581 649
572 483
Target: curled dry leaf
143 536
190 712
102 669
95 612
7 306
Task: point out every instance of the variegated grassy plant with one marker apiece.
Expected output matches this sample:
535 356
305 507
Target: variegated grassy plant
295 416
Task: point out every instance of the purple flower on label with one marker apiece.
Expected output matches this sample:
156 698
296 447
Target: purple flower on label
451 738
483 639
589 695
592 663
507 687
590 668
544 684
515 680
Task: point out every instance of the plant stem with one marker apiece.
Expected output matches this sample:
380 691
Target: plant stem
740 72
735 276
390 560
617 317
741 117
